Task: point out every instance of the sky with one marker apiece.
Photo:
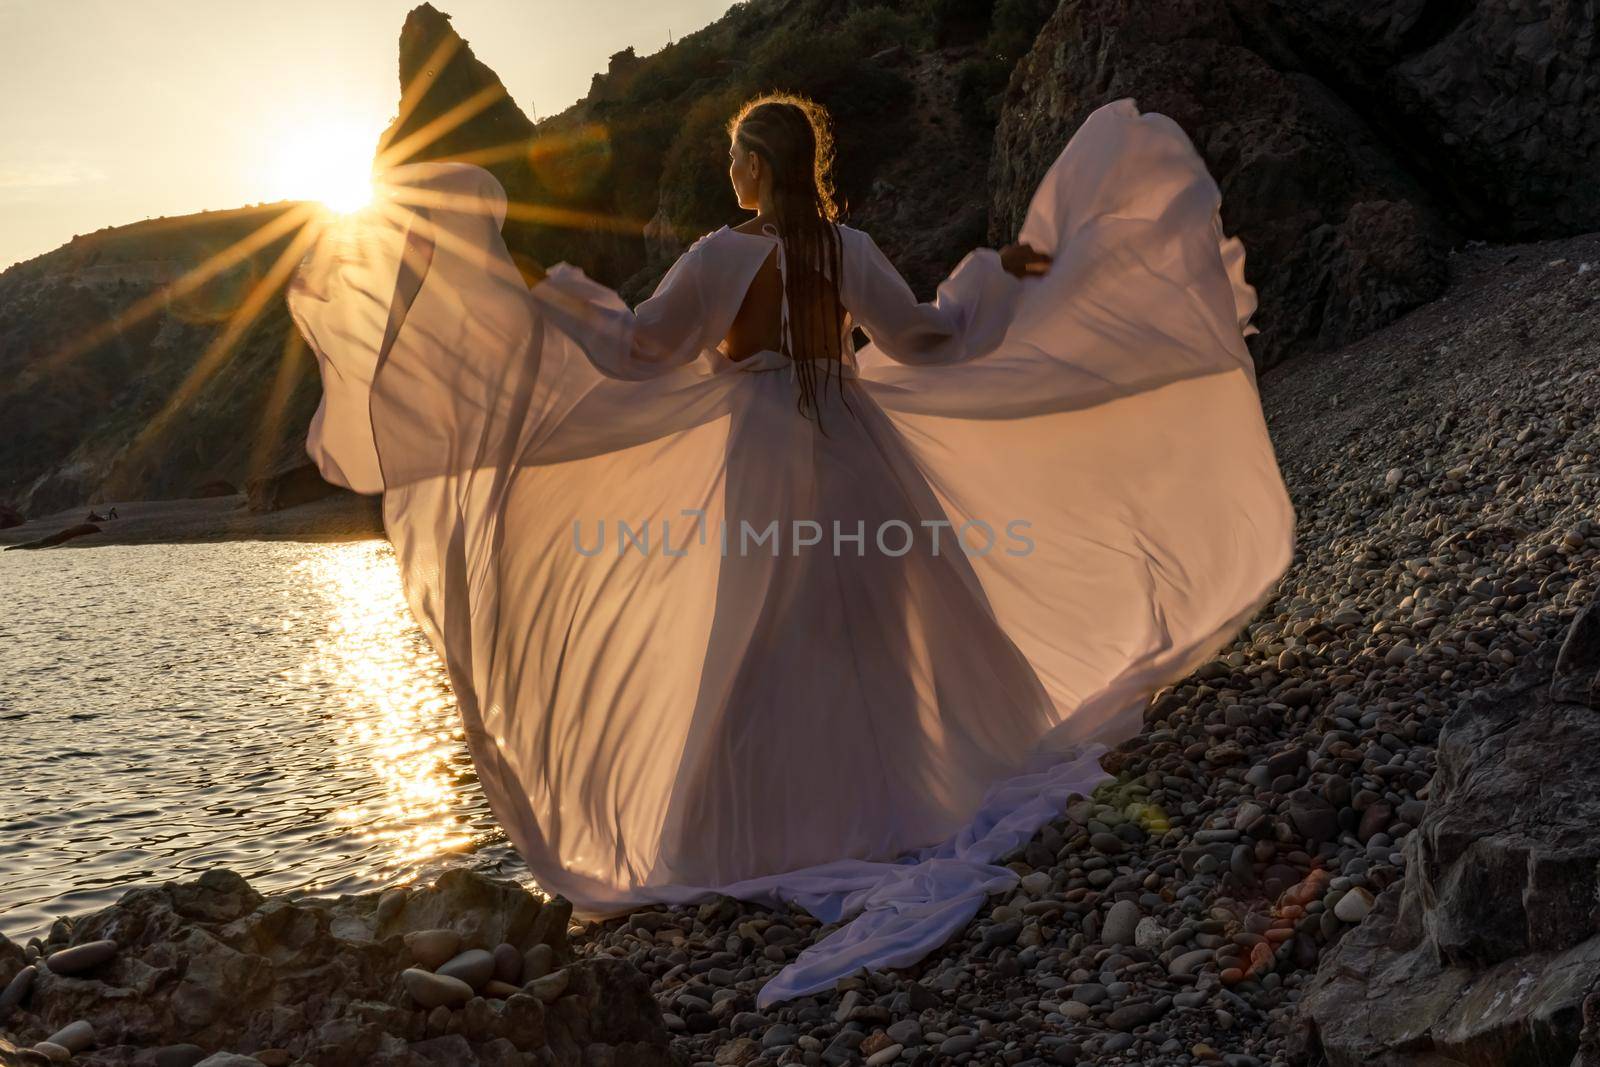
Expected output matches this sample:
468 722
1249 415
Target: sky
115 111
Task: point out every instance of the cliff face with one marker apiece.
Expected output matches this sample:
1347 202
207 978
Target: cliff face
1355 143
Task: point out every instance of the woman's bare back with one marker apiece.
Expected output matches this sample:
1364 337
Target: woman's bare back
756 326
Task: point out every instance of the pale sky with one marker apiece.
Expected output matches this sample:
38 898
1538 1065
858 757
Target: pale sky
113 111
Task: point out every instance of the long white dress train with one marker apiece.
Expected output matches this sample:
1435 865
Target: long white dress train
700 646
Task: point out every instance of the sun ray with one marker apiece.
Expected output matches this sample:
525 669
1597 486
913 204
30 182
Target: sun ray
545 214
283 381
242 319
436 128
412 95
450 242
236 253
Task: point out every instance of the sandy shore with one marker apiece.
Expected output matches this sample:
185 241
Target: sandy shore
341 517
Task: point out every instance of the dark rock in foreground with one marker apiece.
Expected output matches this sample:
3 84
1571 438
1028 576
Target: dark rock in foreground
82 529
1486 952
212 966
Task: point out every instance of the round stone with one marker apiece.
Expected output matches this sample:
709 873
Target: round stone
538 961
435 990
80 958
1354 905
1121 923
507 963
432 948
474 967
74 1037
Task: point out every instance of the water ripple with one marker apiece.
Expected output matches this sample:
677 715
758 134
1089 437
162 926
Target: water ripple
266 706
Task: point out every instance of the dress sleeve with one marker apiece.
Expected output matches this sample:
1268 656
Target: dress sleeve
665 331
966 319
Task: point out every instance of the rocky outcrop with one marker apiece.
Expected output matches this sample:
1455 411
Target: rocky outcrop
213 967
82 529
1354 143
1339 238
1491 104
291 485
1488 953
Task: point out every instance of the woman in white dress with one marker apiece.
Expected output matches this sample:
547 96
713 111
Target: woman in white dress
730 606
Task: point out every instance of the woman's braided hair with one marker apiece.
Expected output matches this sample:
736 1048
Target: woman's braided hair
793 135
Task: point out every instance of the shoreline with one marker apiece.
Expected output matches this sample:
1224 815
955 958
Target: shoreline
342 516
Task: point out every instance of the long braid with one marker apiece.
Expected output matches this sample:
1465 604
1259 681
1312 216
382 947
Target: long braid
793 135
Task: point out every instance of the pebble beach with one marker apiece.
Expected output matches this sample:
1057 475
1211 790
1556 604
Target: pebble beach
1445 475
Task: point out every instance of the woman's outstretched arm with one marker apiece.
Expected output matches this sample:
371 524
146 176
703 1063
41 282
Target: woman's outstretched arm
967 317
663 332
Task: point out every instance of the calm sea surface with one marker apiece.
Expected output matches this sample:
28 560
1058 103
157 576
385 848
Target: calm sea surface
265 706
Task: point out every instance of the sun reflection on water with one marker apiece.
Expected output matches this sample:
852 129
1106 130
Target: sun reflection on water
398 717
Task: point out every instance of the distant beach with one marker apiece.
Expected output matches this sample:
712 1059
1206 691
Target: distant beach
340 517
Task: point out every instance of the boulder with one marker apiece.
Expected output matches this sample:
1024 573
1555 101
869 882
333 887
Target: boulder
1340 236
287 487
1492 104
1488 951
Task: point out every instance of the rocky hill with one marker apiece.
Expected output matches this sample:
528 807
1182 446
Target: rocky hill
112 381
1357 146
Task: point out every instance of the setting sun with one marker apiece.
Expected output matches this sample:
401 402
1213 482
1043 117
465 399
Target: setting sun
325 158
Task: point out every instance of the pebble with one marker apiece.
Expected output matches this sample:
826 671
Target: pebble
389 905
435 990
1354 905
184 1055
1121 923
475 967
955 1046
53 1052
74 1037
1090 993
1129 1016
538 961
80 958
905 1032
550 987
16 990
432 948
887 1054
507 963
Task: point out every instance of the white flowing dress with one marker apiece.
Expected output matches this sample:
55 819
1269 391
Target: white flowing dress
701 647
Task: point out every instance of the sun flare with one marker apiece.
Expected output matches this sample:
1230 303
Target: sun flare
327 159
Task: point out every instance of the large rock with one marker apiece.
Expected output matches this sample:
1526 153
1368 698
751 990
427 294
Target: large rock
287 487
1340 237
215 965
1487 950
1492 104
452 106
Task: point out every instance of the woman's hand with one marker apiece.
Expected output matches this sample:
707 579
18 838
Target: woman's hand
1022 261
